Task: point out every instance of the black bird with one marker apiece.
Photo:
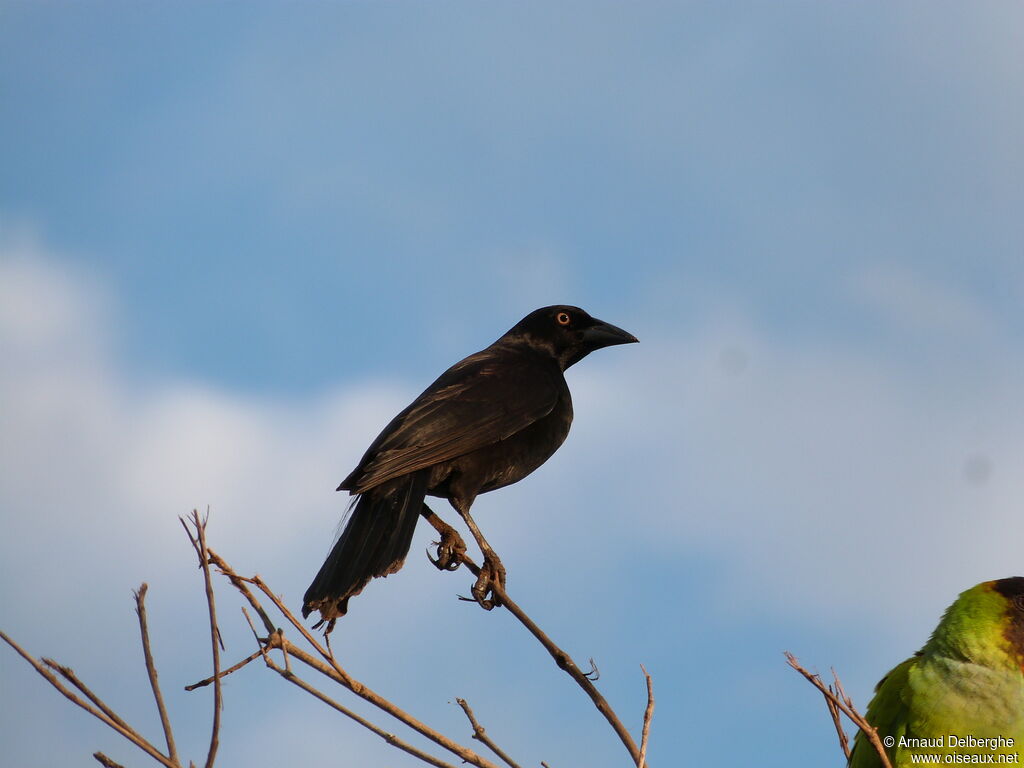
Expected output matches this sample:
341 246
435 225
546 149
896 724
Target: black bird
487 422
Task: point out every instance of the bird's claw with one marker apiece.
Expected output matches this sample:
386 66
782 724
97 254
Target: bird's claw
443 561
450 550
492 575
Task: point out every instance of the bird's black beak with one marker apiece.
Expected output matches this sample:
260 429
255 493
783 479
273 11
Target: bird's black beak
602 334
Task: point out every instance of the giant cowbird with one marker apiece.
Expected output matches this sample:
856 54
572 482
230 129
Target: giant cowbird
488 421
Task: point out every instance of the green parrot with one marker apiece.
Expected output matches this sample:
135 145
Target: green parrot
960 699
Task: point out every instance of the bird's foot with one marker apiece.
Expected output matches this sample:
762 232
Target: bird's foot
450 550
492 575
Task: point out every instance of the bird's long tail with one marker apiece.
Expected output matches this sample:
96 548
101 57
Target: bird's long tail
374 543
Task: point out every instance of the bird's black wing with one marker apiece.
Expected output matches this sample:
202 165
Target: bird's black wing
485 398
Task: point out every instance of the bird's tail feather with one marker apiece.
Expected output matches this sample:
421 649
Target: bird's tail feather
374 543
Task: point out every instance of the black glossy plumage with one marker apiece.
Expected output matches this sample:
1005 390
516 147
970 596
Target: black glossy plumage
486 422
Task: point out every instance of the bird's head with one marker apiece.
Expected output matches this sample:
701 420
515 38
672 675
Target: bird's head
567 333
1012 589
985 624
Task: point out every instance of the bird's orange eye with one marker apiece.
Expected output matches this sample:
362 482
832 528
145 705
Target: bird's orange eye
562 318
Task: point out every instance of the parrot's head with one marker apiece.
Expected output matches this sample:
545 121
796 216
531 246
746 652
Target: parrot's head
1012 590
985 625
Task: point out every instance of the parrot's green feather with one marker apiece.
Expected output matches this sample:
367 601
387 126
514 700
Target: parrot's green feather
967 683
887 712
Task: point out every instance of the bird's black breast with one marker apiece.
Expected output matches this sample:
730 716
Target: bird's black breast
506 461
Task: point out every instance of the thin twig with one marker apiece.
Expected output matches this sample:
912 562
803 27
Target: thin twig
563 660
833 710
332 668
69 674
165 721
199 544
480 734
844 742
116 724
242 585
844 704
329 670
122 726
358 688
206 681
106 761
279 641
346 679
641 761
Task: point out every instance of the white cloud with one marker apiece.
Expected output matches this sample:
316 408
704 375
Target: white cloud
912 302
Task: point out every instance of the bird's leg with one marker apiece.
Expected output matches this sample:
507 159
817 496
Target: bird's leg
492 571
450 548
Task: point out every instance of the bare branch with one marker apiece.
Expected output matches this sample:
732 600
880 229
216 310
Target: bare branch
199 544
329 666
115 723
838 700
106 761
334 669
328 656
480 734
279 641
321 660
140 609
69 674
844 742
563 660
242 585
641 761
343 678
206 681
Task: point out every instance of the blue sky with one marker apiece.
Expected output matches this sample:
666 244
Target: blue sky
235 239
